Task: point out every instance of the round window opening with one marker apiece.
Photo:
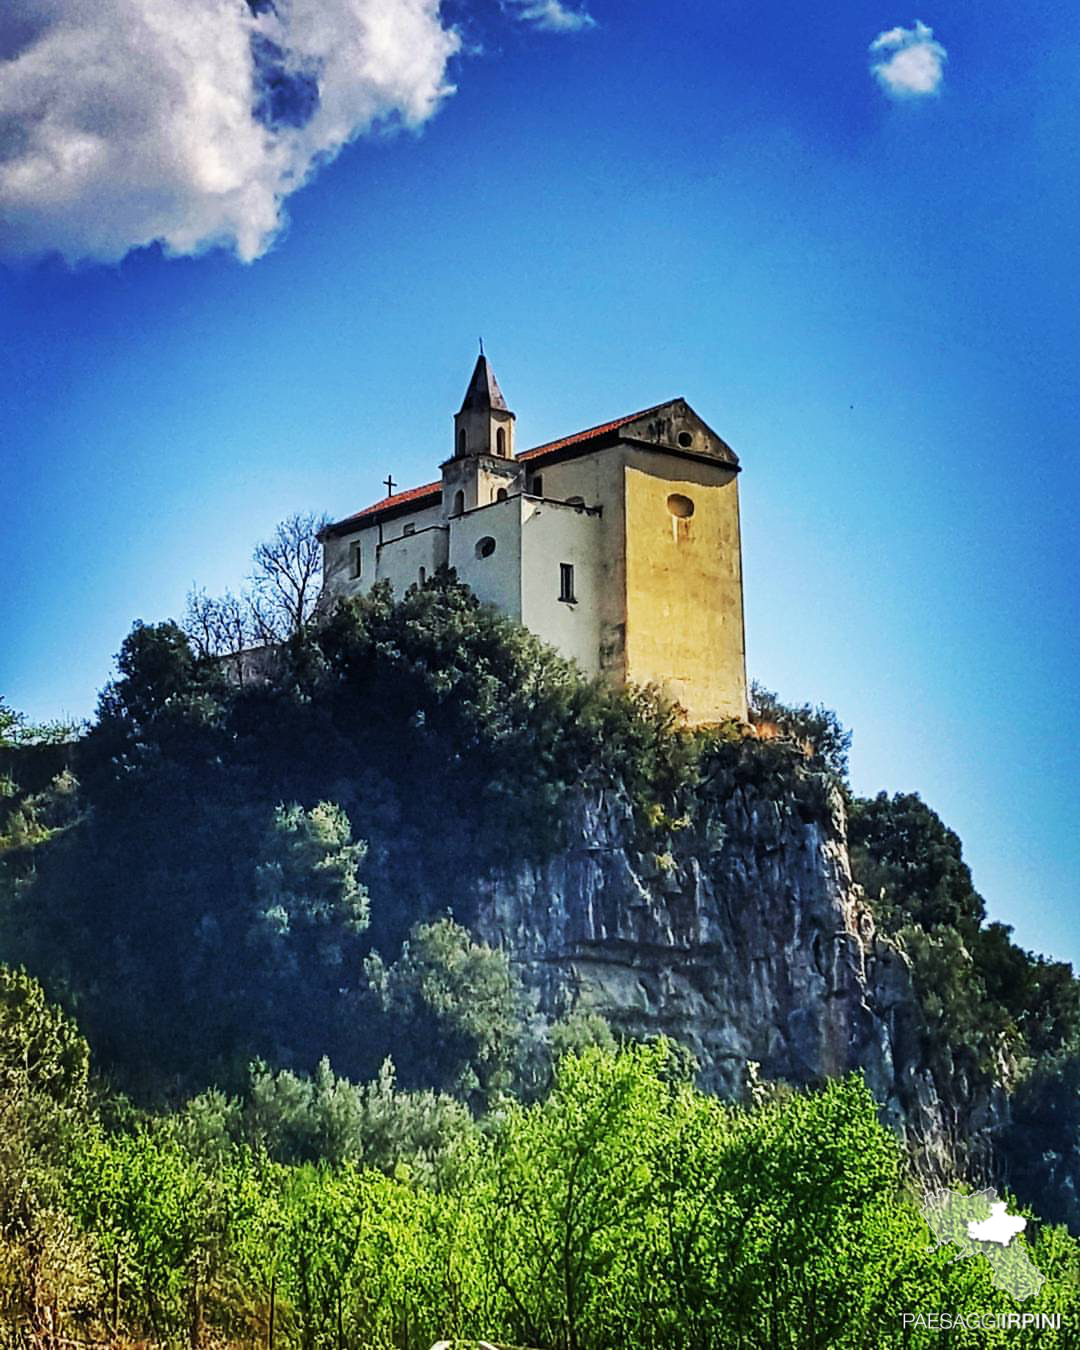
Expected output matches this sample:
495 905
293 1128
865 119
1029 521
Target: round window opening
681 507
685 440
485 547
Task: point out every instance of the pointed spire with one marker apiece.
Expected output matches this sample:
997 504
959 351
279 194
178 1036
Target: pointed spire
483 392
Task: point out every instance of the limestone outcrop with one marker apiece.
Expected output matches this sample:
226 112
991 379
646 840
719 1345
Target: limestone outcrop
744 937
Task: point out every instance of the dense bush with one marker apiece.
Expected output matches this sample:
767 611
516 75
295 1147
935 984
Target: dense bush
457 1014
911 865
816 730
625 1209
1042 1142
979 991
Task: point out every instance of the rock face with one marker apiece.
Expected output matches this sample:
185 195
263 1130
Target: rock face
746 939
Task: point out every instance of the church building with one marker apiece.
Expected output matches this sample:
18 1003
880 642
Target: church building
618 545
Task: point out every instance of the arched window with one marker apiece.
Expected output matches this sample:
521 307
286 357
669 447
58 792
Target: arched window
485 547
423 575
459 503
500 496
500 441
462 441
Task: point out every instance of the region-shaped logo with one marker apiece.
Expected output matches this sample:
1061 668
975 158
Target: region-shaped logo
980 1224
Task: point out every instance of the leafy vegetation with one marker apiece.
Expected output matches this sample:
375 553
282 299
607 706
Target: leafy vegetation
625 1208
458 1015
979 988
815 729
992 1015
1042 1140
16 729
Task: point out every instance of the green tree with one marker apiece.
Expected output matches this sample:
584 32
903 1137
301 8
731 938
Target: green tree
570 1191
44 1066
1041 1144
911 865
1041 996
457 1014
156 1218
41 1049
309 914
157 667
17 730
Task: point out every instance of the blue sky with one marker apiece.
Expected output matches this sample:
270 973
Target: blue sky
872 292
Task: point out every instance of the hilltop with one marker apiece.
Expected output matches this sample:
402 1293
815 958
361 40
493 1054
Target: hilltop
423 834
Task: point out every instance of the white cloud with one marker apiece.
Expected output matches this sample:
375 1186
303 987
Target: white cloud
551 15
124 122
908 62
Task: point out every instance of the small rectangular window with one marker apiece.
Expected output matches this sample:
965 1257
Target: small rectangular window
356 561
566 582
537 489
408 529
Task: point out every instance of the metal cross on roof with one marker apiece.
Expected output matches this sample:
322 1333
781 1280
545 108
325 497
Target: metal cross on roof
390 485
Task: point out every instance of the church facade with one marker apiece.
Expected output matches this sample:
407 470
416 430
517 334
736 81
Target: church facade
618 545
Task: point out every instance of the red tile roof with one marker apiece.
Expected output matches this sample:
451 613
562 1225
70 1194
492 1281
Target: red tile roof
432 490
416 494
591 434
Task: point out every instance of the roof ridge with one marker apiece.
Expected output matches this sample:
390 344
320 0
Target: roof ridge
597 430
416 493
410 494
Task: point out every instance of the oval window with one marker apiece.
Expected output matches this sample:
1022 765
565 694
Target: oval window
685 440
485 547
681 507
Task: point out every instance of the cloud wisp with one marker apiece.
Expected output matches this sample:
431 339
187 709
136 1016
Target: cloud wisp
552 16
908 62
128 122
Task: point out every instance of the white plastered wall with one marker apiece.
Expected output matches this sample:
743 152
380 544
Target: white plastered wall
398 562
553 534
401 559
496 579
598 479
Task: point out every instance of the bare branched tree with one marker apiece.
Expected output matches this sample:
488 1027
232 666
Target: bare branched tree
288 574
285 584
219 625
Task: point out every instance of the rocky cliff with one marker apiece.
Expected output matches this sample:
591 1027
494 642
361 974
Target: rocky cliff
742 936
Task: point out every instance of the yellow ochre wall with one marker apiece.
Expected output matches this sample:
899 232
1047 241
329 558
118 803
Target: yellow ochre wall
684 613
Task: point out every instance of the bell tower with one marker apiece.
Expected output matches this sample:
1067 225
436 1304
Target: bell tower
485 425
481 468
